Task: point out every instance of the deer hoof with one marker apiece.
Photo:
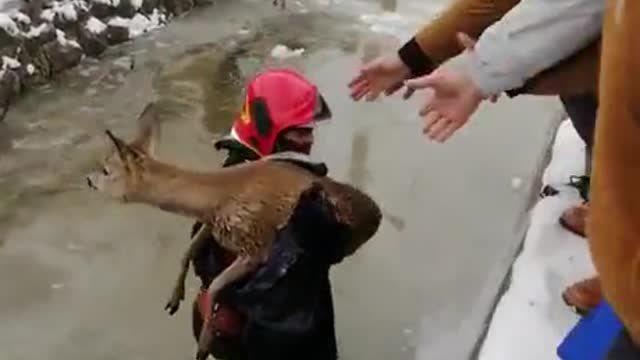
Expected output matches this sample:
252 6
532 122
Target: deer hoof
174 303
204 341
201 355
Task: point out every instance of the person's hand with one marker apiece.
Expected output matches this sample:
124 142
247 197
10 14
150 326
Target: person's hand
453 101
383 74
455 98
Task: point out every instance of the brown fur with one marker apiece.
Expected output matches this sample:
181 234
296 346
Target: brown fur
241 206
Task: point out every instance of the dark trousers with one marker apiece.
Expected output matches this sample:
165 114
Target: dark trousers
582 110
623 349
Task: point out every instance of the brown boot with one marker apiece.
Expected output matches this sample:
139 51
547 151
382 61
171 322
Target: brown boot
583 295
574 219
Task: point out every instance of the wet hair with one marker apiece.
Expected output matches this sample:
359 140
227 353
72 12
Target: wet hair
283 143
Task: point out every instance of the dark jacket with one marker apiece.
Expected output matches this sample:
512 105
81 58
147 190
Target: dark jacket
288 302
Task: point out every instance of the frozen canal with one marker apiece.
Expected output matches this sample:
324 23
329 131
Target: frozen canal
83 278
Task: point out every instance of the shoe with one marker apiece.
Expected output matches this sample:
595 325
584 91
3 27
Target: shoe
584 295
574 219
582 184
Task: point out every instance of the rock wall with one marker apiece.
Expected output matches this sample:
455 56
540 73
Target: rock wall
44 38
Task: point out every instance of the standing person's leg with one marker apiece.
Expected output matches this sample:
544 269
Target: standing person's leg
623 348
582 110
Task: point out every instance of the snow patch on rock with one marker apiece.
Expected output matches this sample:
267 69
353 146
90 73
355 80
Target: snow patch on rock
140 23
8 25
10 63
62 39
21 18
283 52
137 4
37 31
95 26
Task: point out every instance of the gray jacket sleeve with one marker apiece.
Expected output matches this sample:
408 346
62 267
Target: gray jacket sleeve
530 38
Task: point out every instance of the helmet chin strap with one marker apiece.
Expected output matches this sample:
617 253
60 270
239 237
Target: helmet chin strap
287 145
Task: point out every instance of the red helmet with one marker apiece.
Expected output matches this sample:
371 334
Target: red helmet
276 100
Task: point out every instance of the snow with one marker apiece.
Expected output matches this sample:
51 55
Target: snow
95 26
67 10
113 3
516 183
283 52
8 25
125 62
62 39
137 4
10 63
391 23
47 15
139 24
119 21
21 17
531 318
37 31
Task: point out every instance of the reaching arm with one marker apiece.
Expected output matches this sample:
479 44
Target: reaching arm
576 75
530 38
436 42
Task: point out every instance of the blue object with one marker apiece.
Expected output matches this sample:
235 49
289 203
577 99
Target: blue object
593 335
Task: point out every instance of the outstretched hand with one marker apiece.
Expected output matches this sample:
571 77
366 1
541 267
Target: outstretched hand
455 98
382 74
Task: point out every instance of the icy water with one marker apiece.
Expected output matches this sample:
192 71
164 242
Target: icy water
86 278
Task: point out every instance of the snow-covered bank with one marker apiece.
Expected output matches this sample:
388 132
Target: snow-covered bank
531 319
45 38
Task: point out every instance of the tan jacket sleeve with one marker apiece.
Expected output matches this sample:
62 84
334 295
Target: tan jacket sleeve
575 75
438 39
614 221
436 42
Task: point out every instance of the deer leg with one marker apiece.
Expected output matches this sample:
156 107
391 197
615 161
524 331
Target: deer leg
177 295
240 267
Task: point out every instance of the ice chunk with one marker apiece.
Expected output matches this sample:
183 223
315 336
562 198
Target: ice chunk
283 52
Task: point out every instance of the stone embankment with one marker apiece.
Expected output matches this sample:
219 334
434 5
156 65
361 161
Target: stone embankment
44 38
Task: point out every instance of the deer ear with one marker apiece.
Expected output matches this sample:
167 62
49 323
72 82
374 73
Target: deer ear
121 147
148 129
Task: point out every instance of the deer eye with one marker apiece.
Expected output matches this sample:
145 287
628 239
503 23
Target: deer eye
105 172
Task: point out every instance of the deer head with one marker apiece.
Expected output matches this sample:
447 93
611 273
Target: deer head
122 169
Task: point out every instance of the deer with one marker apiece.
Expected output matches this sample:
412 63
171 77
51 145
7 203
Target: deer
243 206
